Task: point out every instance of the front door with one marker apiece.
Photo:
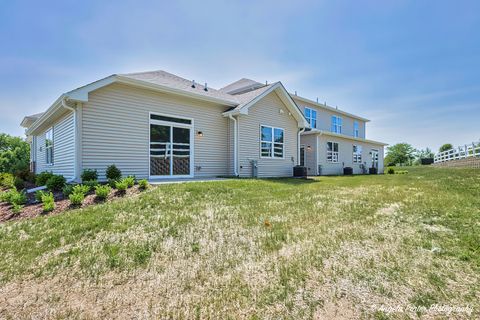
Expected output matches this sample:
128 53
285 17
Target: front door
170 149
374 158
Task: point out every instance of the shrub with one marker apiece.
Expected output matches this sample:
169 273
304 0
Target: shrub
89 175
143 184
121 185
91 184
56 183
39 194
112 183
42 178
48 202
76 198
113 173
391 171
17 208
80 188
130 181
5 196
401 172
17 197
102 192
67 190
7 180
26 175
19 183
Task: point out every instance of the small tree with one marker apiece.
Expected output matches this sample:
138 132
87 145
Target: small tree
14 154
400 153
445 147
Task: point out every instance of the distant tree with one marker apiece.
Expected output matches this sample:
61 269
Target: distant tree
423 154
445 147
400 153
14 153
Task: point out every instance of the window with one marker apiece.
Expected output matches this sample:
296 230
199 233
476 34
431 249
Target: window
357 154
311 116
356 129
336 124
332 152
271 142
49 146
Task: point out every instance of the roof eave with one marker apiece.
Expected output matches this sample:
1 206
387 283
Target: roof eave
337 135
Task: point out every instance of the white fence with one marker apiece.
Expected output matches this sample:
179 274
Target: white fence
461 152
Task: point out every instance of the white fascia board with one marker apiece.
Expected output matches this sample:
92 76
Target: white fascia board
329 108
332 134
53 108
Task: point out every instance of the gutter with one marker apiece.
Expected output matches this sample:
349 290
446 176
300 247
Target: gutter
298 144
235 142
74 110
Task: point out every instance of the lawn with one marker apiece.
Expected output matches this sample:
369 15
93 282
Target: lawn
387 246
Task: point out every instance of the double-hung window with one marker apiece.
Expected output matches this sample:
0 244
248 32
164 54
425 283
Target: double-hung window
336 124
332 152
271 142
357 154
311 116
356 129
49 146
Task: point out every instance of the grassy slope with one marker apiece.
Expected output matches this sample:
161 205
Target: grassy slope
332 247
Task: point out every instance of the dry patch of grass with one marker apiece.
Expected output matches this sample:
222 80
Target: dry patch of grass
336 247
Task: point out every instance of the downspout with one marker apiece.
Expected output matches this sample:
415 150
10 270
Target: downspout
298 145
64 104
235 142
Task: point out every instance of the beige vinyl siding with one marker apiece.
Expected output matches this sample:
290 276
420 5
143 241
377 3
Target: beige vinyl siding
310 155
267 112
63 149
345 155
115 130
324 119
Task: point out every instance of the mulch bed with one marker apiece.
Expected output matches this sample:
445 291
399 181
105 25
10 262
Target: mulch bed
34 209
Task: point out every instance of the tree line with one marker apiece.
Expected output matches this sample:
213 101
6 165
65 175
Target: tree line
405 154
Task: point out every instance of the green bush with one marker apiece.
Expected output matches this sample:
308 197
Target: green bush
17 208
143 184
48 202
56 183
121 185
42 178
5 196
89 175
112 183
17 197
102 192
91 184
391 171
130 181
76 198
401 172
67 190
39 194
113 173
7 180
80 188
19 183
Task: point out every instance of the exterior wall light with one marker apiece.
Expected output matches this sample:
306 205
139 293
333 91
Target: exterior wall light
200 133
309 148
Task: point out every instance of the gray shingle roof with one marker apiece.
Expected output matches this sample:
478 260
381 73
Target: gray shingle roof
172 81
241 85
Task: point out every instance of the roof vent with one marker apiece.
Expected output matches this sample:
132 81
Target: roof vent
295 92
266 82
206 89
317 99
193 84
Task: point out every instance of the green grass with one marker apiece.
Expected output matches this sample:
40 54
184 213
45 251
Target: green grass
277 248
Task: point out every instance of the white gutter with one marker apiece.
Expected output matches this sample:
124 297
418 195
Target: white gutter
74 110
235 160
298 145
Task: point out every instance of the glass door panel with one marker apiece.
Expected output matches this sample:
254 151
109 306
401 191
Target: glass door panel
160 150
181 151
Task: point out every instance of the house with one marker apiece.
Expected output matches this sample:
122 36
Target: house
158 125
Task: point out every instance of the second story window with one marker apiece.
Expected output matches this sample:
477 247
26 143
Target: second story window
49 146
356 129
336 124
311 116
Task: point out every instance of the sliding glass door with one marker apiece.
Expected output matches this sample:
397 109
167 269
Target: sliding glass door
170 147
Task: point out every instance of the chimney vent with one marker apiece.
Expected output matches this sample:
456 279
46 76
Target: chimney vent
193 84
206 89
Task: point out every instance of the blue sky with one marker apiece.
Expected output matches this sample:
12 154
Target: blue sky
412 67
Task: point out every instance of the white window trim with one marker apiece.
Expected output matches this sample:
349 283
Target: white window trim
333 153
52 162
359 157
338 127
272 142
309 119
